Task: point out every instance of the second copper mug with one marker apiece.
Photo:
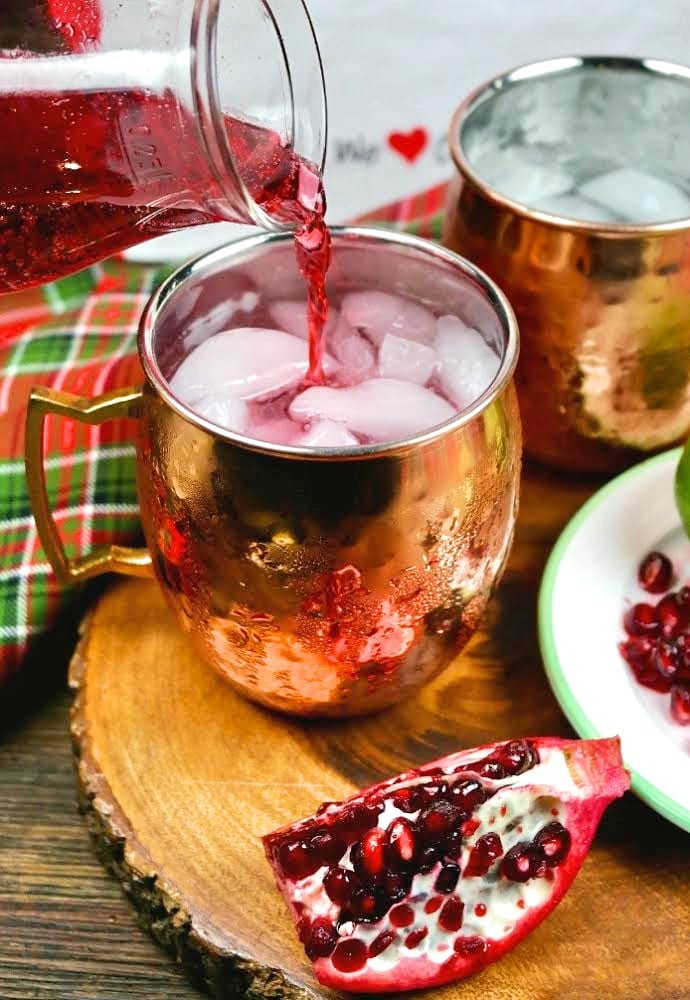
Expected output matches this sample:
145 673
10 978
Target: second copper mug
319 582
603 307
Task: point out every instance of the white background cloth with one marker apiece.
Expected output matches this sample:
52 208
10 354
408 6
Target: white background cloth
399 65
403 66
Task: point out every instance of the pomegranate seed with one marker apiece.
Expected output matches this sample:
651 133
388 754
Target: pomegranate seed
450 917
433 904
516 757
641 619
671 617
426 859
303 928
327 848
469 945
486 850
438 819
452 845
415 937
339 884
683 597
491 769
368 905
639 654
402 915
655 572
380 943
297 860
356 820
552 844
637 651
651 679
396 886
519 863
666 658
447 879
436 790
680 704
480 909
409 800
468 795
540 868
401 839
350 955
321 938
374 851
683 673
520 904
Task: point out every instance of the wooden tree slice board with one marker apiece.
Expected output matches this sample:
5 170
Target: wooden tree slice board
180 777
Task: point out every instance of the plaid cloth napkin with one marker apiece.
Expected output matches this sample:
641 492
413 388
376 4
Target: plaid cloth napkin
79 335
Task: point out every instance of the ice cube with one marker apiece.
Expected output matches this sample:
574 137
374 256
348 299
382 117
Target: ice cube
221 300
327 434
206 324
291 316
353 351
467 365
637 197
382 409
574 206
379 313
200 329
406 360
513 175
248 362
229 412
277 430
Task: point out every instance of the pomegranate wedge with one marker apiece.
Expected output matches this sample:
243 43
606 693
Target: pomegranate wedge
432 875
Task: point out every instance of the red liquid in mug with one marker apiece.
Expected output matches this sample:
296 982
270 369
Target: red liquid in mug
86 175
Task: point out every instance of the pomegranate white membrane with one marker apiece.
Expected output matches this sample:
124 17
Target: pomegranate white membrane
392 368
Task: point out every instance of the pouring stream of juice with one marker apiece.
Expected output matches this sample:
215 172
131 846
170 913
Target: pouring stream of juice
87 173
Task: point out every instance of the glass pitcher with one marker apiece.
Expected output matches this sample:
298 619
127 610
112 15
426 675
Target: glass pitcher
127 120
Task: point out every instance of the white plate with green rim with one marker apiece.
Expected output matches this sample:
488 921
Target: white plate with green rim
590 577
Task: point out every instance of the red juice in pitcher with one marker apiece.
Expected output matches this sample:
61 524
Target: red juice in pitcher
85 175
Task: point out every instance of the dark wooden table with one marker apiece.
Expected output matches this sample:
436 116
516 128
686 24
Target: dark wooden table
65 928
66 931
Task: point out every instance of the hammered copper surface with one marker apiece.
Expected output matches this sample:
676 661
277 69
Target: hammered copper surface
604 315
332 587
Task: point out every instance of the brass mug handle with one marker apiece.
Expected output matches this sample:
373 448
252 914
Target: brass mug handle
96 410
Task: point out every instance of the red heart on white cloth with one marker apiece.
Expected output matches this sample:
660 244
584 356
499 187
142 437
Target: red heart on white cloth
410 145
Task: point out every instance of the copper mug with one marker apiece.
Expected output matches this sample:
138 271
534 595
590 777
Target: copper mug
317 582
603 308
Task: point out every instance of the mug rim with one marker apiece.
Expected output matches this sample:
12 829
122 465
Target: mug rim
196 268
558 66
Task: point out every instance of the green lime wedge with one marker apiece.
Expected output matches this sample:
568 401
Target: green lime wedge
683 488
